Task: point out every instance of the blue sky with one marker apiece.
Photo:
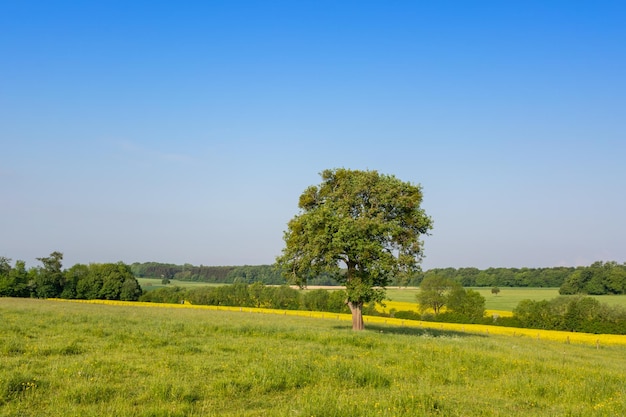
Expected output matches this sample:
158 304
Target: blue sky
186 131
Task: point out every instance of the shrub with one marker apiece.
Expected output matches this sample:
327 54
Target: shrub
576 314
171 295
316 300
407 315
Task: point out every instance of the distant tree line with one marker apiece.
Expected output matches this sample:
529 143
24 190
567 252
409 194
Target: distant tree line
599 278
247 274
108 281
596 279
256 295
186 272
500 277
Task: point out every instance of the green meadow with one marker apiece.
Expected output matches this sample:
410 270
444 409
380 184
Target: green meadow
72 359
148 284
508 298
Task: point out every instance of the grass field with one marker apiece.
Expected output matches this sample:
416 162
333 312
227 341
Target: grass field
508 298
148 284
80 359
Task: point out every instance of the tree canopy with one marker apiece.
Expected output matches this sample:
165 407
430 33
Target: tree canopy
361 227
434 293
598 278
94 281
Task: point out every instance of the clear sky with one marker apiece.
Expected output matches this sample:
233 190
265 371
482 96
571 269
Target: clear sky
185 131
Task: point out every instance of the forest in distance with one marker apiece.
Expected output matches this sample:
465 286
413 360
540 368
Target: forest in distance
118 281
596 279
256 286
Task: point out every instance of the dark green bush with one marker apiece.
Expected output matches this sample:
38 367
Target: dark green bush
571 313
407 315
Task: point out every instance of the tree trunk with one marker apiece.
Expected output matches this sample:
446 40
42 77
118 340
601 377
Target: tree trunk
357 315
356 307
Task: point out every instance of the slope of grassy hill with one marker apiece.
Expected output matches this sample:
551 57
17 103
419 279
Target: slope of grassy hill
79 359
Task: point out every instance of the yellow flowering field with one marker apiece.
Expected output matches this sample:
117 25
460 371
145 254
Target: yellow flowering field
397 306
407 306
501 313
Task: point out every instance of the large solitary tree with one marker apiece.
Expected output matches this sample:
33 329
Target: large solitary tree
360 226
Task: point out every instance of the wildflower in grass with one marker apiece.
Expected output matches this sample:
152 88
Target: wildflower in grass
551 335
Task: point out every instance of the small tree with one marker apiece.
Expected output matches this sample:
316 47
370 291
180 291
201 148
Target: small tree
468 304
495 291
434 292
368 223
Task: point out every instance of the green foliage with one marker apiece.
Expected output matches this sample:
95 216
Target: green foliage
597 279
260 296
285 298
94 281
73 276
461 305
367 222
89 285
407 315
49 280
112 279
247 274
337 302
130 290
265 274
235 295
468 304
201 296
323 300
434 293
105 281
155 269
5 266
577 314
14 281
501 277
316 300
255 295
171 295
324 279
